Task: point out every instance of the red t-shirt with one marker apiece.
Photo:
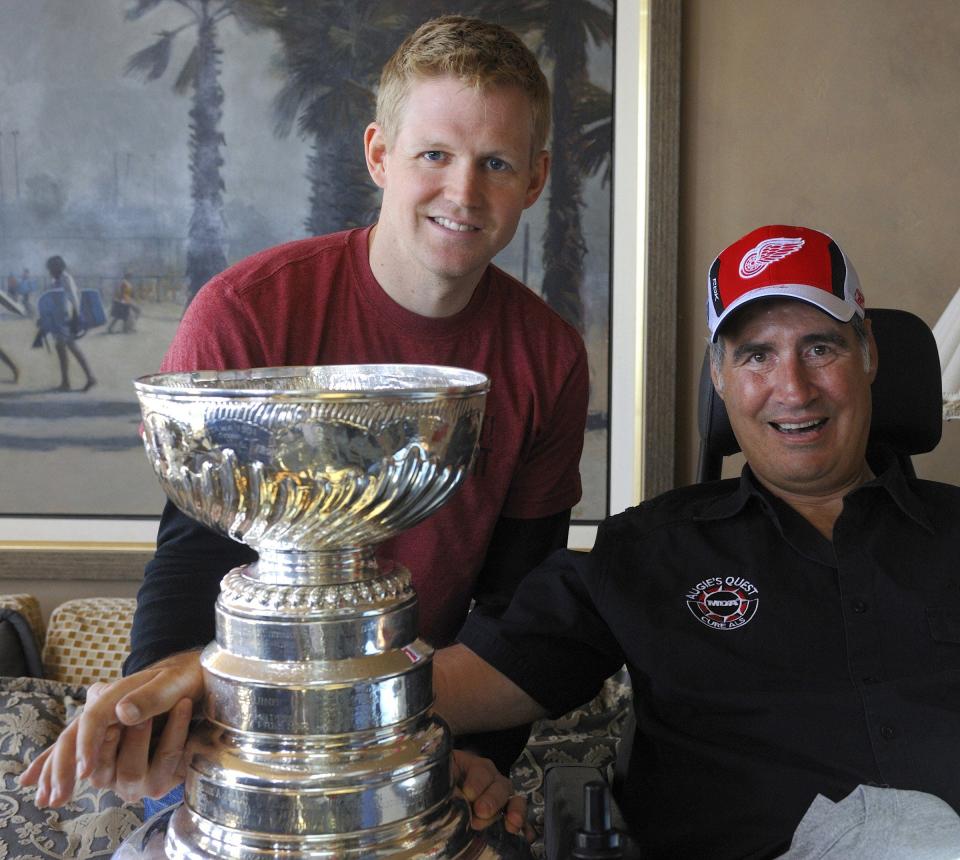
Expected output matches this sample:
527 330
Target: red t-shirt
316 301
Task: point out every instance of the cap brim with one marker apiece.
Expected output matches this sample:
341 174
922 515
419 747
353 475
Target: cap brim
827 302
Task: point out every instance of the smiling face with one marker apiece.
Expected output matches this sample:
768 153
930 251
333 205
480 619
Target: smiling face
455 177
798 396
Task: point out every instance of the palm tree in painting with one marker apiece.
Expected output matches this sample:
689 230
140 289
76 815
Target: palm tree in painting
201 75
581 130
596 134
331 57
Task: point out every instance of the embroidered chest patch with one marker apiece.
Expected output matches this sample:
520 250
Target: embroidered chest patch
723 603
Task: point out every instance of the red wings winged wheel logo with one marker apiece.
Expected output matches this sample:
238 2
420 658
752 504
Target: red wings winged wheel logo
768 251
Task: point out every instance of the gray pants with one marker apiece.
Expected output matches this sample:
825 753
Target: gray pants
877 824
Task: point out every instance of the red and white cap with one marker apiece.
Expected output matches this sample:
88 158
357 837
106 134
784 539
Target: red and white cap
778 260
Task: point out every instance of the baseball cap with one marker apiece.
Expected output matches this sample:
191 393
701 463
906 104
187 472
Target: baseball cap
779 260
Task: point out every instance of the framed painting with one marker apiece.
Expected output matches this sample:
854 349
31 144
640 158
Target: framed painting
150 143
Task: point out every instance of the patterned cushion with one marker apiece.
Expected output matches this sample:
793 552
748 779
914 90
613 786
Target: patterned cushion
29 607
88 639
32 714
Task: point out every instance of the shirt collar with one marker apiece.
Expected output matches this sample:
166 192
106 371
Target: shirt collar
791 526
891 479
730 504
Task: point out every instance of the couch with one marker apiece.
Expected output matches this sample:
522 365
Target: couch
84 640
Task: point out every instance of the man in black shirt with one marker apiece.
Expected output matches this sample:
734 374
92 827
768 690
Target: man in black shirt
792 634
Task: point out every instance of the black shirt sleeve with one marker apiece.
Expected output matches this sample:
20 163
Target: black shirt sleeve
516 547
180 586
551 641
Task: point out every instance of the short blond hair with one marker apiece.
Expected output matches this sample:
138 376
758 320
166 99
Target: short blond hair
478 53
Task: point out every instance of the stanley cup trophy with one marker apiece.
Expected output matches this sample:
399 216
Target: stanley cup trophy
317 740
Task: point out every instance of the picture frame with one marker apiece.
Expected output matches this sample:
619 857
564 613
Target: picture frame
645 241
642 344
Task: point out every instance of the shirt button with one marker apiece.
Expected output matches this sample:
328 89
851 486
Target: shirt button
888 733
859 606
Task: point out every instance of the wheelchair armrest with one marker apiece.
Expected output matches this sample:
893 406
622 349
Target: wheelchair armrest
580 817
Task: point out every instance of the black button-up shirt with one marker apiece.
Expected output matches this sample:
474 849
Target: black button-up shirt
768 664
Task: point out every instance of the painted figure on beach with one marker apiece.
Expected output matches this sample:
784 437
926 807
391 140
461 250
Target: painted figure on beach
60 317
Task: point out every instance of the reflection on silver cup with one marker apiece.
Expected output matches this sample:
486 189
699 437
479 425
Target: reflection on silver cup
317 741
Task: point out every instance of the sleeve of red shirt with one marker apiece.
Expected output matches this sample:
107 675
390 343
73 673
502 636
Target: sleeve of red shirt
217 332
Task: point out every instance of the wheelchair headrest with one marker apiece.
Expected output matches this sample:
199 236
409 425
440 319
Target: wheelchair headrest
907 401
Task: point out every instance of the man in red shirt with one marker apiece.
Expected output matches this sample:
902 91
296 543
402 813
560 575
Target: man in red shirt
458 150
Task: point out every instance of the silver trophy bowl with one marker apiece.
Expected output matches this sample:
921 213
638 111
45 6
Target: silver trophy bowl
317 740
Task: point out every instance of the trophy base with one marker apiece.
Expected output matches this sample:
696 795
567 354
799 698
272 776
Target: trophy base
178 834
